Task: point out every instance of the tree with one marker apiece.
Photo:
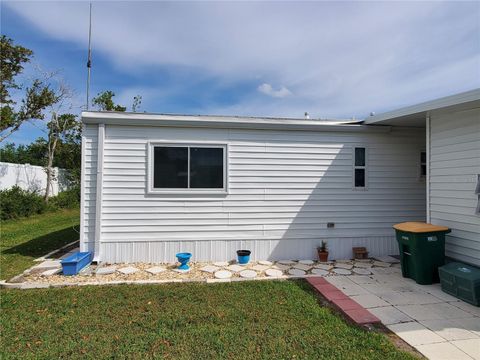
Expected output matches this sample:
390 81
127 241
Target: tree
137 101
38 96
104 102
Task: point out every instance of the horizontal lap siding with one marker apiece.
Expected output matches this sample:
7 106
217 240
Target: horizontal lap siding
284 186
89 165
454 167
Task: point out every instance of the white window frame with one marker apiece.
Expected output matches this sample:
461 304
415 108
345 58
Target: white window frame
420 176
186 191
365 167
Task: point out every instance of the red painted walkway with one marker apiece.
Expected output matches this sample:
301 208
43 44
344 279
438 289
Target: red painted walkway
349 307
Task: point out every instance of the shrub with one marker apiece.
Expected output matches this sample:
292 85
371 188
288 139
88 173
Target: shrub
16 202
68 199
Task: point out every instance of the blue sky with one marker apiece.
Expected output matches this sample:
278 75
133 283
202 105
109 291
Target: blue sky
332 59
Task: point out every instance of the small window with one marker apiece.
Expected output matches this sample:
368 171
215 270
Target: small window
360 168
188 168
423 164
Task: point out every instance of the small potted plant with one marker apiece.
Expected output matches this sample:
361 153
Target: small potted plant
323 252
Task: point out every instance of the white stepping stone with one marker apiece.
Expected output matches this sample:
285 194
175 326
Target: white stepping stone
107 270
210 269
221 263
235 268
307 262
48 264
51 272
273 272
260 268
296 272
324 267
249 274
128 270
344 261
363 260
363 265
342 271
381 264
182 271
320 272
265 262
387 259
281 267
287 262
155 270
302 267
223 274
361 271
343 266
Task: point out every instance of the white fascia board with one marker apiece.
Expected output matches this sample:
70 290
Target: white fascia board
457 99
224 122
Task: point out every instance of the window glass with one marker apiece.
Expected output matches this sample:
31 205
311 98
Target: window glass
423 163
359 177
206 168
170 166
359 156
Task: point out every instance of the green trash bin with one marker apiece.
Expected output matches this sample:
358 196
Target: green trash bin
422 250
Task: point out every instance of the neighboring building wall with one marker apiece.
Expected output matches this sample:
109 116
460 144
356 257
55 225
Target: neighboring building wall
454 171
284 186
89 184
31 178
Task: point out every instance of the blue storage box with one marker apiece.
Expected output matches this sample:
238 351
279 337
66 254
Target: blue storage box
73 264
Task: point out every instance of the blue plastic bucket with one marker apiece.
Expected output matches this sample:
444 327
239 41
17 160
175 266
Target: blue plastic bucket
243 256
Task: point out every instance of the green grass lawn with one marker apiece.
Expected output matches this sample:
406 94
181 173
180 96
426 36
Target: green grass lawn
244 320
26 239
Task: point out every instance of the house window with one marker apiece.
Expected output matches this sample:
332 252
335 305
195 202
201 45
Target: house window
187 168
360 168
423 164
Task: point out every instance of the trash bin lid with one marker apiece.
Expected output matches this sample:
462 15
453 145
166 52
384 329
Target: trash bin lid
419 227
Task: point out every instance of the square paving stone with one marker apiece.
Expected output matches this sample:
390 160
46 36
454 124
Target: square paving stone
155 270
472 324
369 301
415 334
362 279
51 272
381 264
470 347
106 270
442 351
389 315
448 329
236 268
474 310
128 270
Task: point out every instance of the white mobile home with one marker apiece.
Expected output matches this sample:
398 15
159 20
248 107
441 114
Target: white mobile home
154 185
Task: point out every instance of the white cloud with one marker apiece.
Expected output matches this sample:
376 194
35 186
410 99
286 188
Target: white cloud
267 89
339 58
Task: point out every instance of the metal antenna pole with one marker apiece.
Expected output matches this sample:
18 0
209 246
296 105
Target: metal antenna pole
89 61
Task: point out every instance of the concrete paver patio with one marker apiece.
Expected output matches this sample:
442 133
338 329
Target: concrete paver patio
438 325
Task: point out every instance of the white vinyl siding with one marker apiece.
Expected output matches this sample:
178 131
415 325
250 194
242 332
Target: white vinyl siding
89 184
284 186
454 168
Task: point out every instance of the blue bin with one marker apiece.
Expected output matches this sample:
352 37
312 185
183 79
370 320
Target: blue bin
243 256
73 264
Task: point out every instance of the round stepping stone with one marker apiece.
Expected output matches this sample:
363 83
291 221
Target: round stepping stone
210 269
296 272
361 271
340 271
287 262
320 272
273 273
249 274
223 274
306 262
235 268
324 267
221 263
259 268
265 262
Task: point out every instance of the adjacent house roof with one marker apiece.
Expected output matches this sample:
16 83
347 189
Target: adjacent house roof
415 115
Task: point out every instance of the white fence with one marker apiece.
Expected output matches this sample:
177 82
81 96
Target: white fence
32 178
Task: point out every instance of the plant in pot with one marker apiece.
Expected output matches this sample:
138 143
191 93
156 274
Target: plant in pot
323 252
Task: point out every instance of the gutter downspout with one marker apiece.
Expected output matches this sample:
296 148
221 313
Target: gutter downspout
427 148
99 193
